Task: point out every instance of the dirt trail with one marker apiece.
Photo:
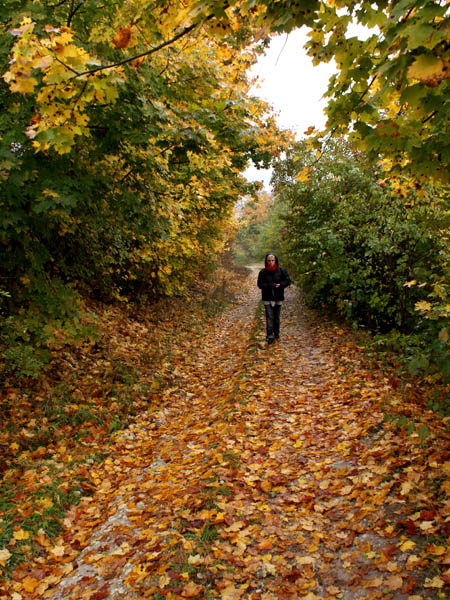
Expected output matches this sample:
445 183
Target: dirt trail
260 476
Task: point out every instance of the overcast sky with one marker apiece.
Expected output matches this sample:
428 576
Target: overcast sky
291 84
288 80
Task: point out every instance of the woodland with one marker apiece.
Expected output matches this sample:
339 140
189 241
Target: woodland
150 445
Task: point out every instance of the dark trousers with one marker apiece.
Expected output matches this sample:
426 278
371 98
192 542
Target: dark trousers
273 320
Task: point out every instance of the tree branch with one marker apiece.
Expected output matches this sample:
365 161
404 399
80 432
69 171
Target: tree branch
73 11
434 113
185 31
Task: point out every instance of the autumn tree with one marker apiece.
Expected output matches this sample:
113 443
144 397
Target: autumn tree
390 93
123 141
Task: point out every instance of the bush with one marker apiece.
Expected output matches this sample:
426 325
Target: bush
371 248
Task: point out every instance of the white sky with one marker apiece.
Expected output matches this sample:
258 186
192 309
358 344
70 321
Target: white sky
294 87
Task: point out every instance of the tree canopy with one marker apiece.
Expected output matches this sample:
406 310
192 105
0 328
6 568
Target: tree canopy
390 94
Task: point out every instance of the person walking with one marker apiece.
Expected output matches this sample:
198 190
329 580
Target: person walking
272 280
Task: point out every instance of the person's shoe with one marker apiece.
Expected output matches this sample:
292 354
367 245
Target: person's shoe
276 337
270 340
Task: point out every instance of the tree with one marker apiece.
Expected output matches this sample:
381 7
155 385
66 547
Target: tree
120 180
390 95
367 246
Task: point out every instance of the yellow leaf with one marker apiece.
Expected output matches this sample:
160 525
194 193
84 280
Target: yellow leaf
426 67
303 175
436 582
423 305
57 551
24 85
29 584
266 486
436 550
20 534
409 545
406 488
45 502
4 555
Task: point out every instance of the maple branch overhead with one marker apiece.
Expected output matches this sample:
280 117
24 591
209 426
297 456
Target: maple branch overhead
146 53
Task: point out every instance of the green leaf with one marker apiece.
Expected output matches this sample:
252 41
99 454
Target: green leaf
424 432
413 94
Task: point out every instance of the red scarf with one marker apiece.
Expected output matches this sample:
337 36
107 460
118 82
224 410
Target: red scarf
271 268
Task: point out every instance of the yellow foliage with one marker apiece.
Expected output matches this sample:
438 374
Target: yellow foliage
304 174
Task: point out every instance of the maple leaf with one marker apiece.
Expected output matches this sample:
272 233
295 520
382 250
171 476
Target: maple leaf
29 584
4 555
191 590
394 582
25 85
304 174
408 545
423 305
20 534
123 37
426 67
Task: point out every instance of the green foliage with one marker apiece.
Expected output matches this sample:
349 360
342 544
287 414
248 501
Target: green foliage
260 229
369 246
49 317
390 93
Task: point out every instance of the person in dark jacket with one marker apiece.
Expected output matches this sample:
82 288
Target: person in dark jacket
271 281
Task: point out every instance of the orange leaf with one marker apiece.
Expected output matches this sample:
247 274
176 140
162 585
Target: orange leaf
191 590
265 545
123 37
266 486
30 584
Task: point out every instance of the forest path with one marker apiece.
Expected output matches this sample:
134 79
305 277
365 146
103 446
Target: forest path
263 474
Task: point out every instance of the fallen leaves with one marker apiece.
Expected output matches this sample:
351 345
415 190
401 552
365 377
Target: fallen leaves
256 476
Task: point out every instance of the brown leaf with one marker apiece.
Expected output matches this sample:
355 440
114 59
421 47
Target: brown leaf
265 545
394 582
266 486
191 590
123 37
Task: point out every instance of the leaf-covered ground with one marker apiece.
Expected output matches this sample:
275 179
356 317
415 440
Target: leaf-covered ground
259 473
